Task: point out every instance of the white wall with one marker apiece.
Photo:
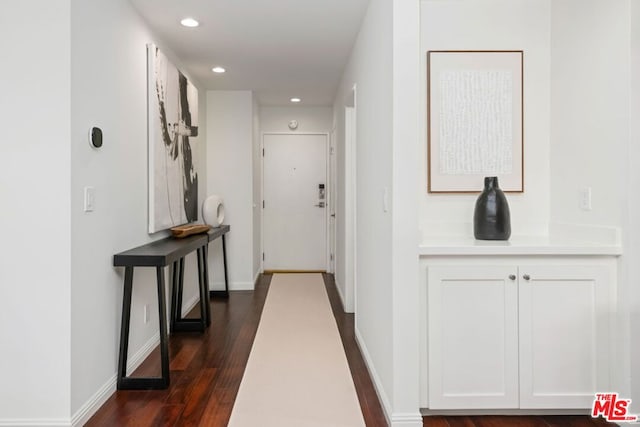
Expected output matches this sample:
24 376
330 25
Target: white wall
590 123
632 225
370 67
407 146
589 108
230 143
494 25
342 275
310 119
35 180
257 190
109 90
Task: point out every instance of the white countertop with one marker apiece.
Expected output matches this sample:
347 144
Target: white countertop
519 245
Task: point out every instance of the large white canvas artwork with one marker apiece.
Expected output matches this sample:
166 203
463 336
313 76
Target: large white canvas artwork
173 125
475 120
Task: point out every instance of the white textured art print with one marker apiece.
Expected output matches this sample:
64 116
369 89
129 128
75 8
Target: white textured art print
476 122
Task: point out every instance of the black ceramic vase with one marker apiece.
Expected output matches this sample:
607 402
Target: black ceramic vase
491 217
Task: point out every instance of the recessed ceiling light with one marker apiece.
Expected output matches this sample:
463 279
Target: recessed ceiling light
218 70
295 100
189 22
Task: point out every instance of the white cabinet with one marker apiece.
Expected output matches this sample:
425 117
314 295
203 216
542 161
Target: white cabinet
564 330
473 337
517 335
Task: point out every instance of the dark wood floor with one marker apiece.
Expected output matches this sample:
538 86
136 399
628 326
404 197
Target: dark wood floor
508 421
206 370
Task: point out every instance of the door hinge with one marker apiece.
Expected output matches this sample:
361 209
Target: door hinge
331 257
263 204
263 256
263 152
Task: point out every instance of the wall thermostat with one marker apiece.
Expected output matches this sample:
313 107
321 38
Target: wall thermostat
95 137
293 124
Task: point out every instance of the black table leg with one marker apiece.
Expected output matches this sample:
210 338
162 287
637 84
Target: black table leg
128 383
180 324
224 261
174 295
225 293
125 324
205 257
162 315
180 287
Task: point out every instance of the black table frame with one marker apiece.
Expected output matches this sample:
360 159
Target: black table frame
160 254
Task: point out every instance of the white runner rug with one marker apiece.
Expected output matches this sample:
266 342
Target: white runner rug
297 374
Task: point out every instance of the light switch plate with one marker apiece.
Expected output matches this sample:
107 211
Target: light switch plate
89 199
385 199
585 199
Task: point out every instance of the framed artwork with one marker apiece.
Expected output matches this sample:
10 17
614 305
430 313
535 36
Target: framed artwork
173 123
474 120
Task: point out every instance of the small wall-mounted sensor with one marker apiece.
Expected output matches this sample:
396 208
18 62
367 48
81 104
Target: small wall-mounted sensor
95 137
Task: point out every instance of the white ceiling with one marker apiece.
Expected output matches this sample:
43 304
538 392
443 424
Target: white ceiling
278 48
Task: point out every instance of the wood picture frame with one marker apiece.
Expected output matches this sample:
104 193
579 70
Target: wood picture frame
475 115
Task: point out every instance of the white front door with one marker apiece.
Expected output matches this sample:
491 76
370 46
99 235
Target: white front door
295 202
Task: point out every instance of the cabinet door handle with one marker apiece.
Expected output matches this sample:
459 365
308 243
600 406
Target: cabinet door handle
512 276
526 277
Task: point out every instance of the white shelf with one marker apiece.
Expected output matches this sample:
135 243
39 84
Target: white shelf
563 239
518 245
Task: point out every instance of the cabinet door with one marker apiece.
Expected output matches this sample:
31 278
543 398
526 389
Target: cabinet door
564 322
473 337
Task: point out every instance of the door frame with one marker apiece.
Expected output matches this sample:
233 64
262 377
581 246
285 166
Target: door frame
350 112
327 187
333 205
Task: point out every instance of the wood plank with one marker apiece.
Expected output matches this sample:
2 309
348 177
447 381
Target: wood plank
460 421
501 421
574 421
196 399
184 356
168 416
435 421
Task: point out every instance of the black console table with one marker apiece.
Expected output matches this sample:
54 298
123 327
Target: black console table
160 254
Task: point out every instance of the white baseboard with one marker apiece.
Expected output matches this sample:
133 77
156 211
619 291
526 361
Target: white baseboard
136 360
395 419
233 286
188 306
377 383
255 278
406 420
92 405
35 422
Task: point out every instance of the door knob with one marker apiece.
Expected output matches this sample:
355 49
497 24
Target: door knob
526 277
512 276
333 215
